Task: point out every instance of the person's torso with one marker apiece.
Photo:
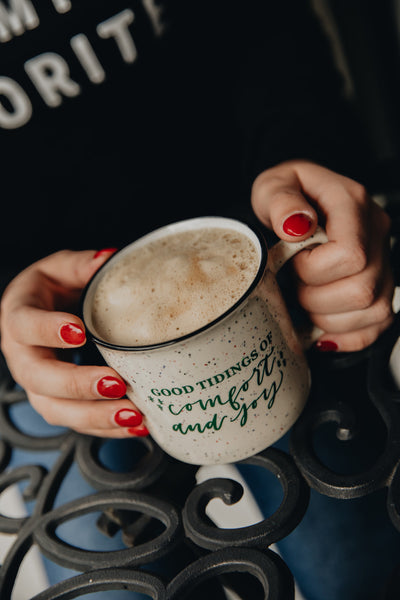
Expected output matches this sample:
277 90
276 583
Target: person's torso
115 117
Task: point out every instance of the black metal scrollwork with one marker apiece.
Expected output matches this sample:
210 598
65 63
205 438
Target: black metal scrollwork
75 558
145 472
106 580
263 534
267 567
338 407
145 494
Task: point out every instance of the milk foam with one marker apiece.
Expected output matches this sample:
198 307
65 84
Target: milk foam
173 286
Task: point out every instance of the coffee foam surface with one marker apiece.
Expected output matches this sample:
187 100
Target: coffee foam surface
173 286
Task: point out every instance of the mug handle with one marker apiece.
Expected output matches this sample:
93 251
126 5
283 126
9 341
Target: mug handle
283 251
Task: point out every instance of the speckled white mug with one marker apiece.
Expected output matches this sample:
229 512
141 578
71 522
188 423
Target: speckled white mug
230 389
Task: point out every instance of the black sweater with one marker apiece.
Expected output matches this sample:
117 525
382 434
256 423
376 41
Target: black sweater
117 117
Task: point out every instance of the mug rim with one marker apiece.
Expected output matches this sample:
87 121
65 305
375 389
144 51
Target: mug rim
158 345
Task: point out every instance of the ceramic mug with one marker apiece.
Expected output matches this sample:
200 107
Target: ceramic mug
231 388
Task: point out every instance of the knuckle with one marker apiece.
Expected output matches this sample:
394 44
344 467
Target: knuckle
260 189
359 193
355 259
10 320
270 184
383 310
44 409
73 387
19 373
362 340
363 295
51 419
321 321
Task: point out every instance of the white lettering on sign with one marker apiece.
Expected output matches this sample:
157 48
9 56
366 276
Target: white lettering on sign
62 6
156 13
21 106
87 57
117 27
50 74
15 19
49 71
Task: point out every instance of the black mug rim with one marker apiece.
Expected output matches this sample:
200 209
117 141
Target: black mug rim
147 347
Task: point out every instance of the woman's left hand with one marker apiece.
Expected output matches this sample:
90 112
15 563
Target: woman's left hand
346 285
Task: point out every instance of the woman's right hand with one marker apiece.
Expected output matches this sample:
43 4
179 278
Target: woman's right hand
38 324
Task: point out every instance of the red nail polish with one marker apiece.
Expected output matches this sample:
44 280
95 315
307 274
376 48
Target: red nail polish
105 251
128 418
297 224
110 387
140 430
326 346
72 334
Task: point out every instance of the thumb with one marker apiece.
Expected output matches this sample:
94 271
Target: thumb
73 269
279 203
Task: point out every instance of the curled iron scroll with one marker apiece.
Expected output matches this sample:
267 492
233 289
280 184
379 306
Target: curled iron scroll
9 431
260 535
267 567
105 580
79 559
380 472
146 471
34 474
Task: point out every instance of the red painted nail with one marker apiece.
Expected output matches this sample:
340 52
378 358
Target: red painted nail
326 346
140 430
110 387
72 334
128 418
297 224
105 251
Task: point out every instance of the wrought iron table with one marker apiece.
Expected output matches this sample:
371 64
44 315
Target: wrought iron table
160 510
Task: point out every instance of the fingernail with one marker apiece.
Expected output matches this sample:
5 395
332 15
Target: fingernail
297 224
128 418
72 334
104 251
326 346
140 431
110 387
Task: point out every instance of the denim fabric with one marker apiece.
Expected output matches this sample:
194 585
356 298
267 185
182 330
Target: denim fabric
342 549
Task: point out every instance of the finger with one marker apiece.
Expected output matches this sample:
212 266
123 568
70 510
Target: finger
37 327
29 302
139 431
39 371
74 269
379 313
357 229
349 294
345 254
117 418
279 203
344 205
85 414
49 280
114 433
351 341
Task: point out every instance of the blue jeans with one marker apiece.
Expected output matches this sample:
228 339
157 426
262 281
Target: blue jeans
342 549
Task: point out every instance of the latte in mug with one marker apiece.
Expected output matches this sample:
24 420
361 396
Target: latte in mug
192 318
173 286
